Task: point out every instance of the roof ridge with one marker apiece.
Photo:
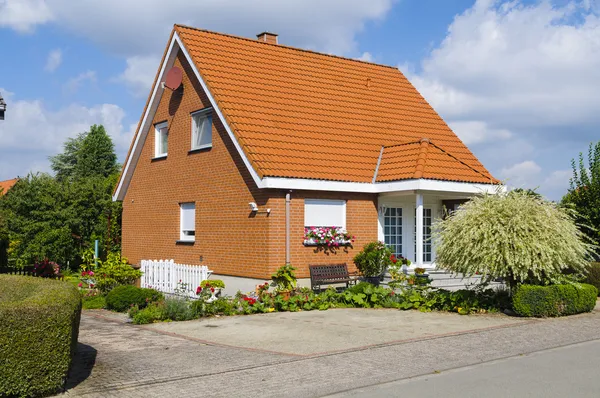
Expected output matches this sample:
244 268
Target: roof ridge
422 158
286 46
460 161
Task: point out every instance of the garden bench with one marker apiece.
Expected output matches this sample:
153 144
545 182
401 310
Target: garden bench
330 274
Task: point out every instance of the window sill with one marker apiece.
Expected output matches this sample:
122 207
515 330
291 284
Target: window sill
202 148
185 242
158 158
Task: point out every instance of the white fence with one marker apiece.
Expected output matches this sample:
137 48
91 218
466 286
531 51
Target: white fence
168 277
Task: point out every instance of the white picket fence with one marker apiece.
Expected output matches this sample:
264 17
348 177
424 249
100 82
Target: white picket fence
168 277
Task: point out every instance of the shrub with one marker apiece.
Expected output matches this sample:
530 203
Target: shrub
515 236
216 283
38 334
177 309
593 276
554 300
93 302
373 259
121 298
115 272
284 279
153 313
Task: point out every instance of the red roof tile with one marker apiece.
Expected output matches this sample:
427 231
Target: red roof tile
301 114
6 185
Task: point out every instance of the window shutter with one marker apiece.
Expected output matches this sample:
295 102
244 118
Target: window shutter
324 213
188 217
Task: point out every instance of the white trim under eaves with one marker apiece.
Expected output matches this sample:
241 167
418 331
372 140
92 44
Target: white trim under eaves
407 185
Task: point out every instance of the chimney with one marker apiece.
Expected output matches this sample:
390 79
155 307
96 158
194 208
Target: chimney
267 37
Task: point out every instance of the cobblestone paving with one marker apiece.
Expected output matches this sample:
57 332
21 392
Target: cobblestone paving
117 359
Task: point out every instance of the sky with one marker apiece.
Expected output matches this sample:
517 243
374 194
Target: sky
518 81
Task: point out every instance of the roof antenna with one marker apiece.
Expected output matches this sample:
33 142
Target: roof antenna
173 80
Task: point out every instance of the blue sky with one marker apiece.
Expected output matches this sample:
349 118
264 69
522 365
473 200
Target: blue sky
517 81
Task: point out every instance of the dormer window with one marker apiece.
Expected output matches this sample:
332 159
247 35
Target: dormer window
202 129
161 142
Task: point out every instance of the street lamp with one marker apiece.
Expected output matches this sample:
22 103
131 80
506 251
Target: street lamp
2 107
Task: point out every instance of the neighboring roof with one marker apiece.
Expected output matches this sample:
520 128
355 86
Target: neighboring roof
424 159
6 185
301 114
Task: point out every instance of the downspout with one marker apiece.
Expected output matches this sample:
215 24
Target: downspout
288 200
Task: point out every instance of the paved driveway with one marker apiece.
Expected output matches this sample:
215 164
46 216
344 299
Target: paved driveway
192 358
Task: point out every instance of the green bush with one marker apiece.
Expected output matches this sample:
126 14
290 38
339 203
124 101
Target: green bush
115 272
554 300
177 309
39 325
93 302
593 277
121 298
373 259
153 313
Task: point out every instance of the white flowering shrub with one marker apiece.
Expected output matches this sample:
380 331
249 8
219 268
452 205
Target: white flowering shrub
516 236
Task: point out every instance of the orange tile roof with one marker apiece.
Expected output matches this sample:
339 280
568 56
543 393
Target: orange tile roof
6 185
424 159
301 114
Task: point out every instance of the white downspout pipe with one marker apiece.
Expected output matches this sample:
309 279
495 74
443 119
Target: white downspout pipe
419 228
288 199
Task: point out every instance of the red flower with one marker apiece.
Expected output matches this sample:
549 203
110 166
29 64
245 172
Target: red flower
394 259
392 293
198 290
80 284
212 289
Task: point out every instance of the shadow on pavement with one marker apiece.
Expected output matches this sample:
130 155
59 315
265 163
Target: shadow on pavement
82 366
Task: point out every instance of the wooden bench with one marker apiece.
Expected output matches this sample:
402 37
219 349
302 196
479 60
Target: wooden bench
330 274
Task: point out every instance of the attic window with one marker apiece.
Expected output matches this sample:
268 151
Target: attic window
202 129
161 142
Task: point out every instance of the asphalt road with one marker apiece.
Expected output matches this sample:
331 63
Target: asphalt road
569 371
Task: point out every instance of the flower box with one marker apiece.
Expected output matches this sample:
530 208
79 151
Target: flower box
327 236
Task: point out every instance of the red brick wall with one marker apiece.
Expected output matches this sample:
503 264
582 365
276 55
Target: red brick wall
230 239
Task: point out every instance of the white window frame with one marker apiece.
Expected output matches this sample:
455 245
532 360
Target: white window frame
183 208
325 202
157 139
201 114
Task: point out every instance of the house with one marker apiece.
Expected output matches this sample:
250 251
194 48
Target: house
6 185
261 140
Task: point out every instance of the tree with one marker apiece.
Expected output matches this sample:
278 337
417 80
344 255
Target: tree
96 156
584 192
516 236
64 163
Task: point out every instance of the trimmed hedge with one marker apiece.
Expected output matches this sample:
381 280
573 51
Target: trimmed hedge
593 277
122 298
554 300
39 325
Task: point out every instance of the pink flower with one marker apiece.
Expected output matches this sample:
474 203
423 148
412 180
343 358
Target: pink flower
91 273
80 284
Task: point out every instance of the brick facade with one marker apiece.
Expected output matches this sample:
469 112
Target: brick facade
229 238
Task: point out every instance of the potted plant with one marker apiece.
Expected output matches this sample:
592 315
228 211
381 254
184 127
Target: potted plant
284 281
421 278
215 286
373 260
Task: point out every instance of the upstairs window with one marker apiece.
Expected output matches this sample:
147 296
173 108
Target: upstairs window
202 129
324 213
188 222
161 143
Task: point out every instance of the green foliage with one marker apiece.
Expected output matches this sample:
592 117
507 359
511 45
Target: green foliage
38 334
177 309
593 276
554 300
155 312
58 217
284 279
216 283
515 236
115 272
94 302
373 259
365 295
121 298
584 192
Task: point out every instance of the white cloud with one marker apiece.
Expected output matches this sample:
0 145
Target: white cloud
32 132
519 174
140 73
24 15
516 81
475 132
366 56
54 60
72 85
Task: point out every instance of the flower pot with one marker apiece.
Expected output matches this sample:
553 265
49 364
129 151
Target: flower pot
285 294
373 280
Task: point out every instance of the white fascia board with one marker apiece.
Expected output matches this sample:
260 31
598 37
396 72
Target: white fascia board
398 186
216 109
144 126
175 45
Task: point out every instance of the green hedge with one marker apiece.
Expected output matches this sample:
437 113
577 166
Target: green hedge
554 300
593 277
39 325
122 298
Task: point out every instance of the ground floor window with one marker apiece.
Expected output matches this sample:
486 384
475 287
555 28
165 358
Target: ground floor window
324 213
427 220
392 226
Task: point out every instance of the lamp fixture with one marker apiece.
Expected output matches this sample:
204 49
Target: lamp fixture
382 209
254 208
